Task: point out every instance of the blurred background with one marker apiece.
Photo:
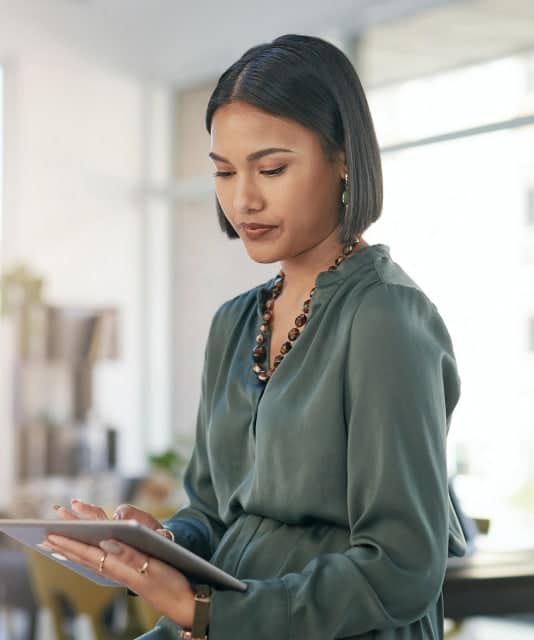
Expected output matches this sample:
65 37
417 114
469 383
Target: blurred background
112 261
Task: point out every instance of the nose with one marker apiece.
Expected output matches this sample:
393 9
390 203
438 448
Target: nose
247 196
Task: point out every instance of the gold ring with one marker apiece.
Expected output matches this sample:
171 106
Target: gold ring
101 564
144 568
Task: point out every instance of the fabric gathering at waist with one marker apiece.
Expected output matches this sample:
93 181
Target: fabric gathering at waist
259 547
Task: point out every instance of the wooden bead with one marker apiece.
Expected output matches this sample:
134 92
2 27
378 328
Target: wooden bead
286 347
293 334
259 354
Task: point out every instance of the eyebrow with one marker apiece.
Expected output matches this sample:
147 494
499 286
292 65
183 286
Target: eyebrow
256 155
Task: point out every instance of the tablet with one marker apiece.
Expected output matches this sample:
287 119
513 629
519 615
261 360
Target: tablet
32 532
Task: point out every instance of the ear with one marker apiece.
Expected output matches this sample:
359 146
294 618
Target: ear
342 164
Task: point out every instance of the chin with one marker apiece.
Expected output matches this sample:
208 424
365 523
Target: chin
263 255
264 259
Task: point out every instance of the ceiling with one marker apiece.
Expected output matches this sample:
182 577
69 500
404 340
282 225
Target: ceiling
446 37
186 43
182 43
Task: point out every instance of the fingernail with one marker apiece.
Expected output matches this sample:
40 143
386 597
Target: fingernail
166 533
117 515
75 500
43 545
58 556
110 547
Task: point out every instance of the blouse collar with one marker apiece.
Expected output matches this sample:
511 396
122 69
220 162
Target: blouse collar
326 279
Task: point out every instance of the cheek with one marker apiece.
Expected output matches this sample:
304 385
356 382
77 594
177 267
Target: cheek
307 195
310 187
224 196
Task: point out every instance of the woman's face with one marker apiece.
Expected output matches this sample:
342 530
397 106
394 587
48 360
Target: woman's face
295 190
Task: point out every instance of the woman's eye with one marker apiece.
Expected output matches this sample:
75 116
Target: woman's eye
274 172
265 172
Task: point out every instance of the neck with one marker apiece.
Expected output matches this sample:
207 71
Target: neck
301 271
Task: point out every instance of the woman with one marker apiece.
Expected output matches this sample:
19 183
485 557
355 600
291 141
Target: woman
319 472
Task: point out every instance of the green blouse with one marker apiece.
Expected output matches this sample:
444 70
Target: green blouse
325 490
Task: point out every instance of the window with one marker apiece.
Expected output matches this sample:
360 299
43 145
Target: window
1 161
530 75
530 207
454 214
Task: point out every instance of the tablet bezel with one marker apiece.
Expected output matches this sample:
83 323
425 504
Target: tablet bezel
33 532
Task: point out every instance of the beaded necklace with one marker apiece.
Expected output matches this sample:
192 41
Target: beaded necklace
260 353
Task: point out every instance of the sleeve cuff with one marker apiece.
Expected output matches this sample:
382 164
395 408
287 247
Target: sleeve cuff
191 534
242 615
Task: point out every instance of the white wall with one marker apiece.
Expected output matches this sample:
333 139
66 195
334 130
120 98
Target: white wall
79 147
7 460
204 279
208 267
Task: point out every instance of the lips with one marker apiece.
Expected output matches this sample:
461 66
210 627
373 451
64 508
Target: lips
256 231
253 226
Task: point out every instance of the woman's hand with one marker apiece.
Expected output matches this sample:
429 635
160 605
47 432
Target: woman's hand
165 588
81 511
87 511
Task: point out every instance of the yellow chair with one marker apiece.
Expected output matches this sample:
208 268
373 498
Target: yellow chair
145 613
55 585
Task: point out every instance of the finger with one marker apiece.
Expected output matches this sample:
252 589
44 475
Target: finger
84 557
73 550
129 512
125 512
64 513
71 546
166 533
88 511
126 564
53 551
126 560
45 545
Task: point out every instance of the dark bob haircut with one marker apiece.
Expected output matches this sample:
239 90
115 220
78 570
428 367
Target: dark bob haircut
311 81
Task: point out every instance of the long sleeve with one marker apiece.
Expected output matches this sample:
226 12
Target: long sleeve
401 386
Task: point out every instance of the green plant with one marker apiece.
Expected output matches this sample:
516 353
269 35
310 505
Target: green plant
171 461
